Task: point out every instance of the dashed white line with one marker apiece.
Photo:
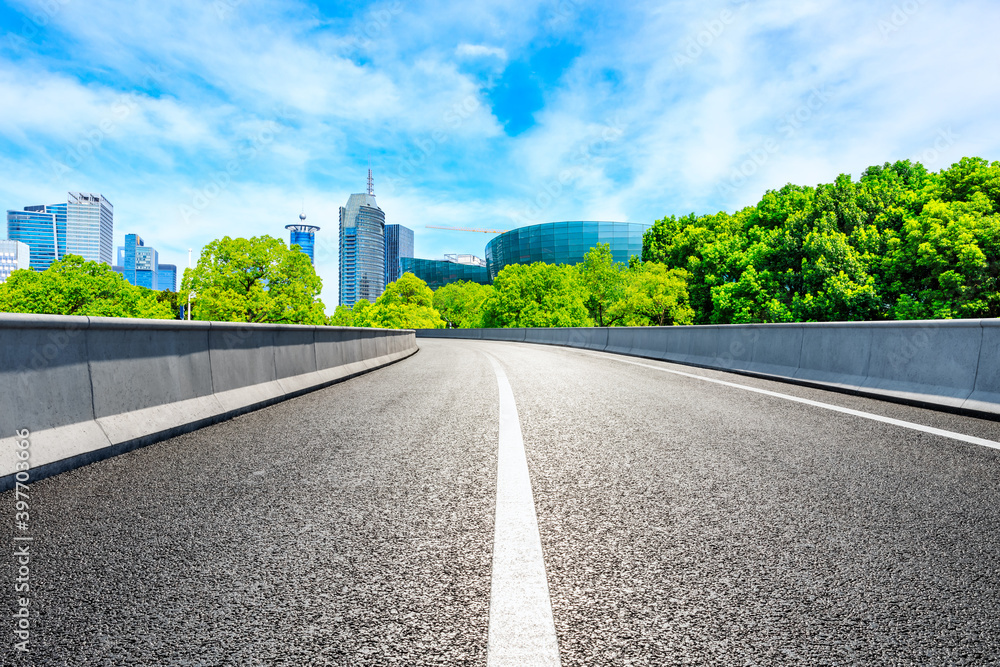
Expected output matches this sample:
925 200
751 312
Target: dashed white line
971 439
521 629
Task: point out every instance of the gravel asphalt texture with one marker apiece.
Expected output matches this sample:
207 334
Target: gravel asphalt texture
682 522
349 526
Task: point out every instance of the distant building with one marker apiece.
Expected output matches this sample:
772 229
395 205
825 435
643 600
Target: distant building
438 273
398 244
42 231
304 236
14 255
83 226
166 277
140 265
362 248
563 243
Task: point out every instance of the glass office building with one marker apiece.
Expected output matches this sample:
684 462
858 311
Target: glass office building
362 249
83 226
438 273
398 244
90 226
563 243
140 265
41 230
304 236
139 262
166 277
14 255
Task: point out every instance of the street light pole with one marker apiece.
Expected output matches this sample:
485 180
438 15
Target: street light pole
189 293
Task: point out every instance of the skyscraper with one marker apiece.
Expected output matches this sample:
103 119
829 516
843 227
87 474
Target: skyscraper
304 236
83 226
398 243
362 248
14 255
140 265
138 262
90 227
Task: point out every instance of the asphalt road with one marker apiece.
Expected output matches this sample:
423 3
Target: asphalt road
681 522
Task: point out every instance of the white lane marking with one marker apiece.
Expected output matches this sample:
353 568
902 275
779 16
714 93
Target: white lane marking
971 439
521 630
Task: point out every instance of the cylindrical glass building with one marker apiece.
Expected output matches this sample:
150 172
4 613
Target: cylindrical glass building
304 236
563 243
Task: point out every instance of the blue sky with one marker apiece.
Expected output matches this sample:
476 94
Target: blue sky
200 119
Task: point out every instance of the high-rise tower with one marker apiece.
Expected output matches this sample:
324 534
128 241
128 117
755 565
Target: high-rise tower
362 248
398 244
84 226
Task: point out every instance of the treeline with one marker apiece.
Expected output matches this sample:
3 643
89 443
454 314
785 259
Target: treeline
597 292
899 243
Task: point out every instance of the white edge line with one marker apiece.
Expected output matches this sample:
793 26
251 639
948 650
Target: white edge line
971 439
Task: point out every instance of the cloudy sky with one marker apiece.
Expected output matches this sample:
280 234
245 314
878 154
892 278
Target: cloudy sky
204 118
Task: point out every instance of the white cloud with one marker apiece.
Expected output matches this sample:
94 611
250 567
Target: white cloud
272 102
480 51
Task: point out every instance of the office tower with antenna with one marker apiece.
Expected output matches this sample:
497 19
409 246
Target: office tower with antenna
362 248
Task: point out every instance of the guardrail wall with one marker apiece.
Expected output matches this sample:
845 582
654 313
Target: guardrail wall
942 364
87 388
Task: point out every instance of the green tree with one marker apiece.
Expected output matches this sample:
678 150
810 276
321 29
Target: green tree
536 295
343 316
254 280
406 303
172 300
603 279
946 262
75 286
899 242
653 295
461 303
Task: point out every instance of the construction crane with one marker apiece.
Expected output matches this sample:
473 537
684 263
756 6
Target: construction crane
467 229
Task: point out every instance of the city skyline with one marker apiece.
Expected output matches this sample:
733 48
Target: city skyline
201 119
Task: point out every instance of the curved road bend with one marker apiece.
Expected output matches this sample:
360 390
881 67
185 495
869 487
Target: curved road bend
676 521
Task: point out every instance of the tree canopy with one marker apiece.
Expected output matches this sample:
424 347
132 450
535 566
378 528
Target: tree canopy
405 304
461 303
75 286
652 295
536 295
603 281
254 280
898 243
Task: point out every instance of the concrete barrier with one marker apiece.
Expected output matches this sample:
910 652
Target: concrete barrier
621 340
777 352
734 348
945 364
145 381
589 338
87 388
835 355
986 395
515 335
912 360
650 341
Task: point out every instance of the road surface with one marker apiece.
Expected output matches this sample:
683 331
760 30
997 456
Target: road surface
684 516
